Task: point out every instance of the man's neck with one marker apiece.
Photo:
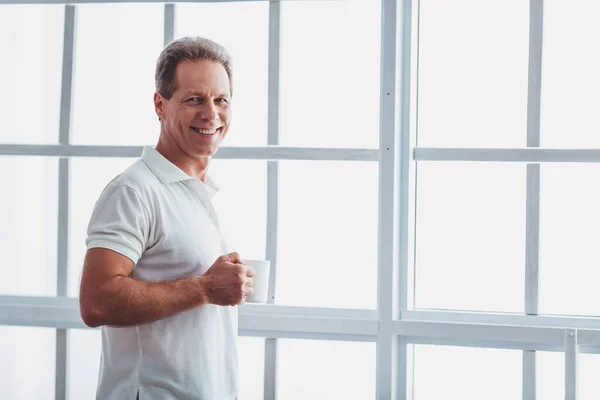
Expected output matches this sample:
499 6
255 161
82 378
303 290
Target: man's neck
194 167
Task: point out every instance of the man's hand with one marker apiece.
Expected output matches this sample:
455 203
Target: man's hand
229 281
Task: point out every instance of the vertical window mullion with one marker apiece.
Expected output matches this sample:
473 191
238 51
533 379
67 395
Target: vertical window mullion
571 365
169 23
271 344
533 187
394 143
402 362
64 138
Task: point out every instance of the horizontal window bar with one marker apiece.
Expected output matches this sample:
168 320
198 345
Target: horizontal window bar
588 323
530 155
250 309
434 327
588 337
270 320
270 325
75 2
246 153
57 312
489 344
475 332
343 337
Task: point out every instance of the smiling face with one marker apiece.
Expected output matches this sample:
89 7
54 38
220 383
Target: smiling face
196 118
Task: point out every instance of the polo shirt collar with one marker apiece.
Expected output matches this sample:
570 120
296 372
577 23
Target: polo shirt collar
167 172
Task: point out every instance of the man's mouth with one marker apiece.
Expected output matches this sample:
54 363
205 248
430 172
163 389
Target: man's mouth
205 132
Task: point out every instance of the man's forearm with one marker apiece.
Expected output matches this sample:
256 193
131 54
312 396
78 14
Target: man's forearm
123 301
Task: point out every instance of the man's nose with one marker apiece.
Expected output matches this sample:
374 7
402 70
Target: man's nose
209 112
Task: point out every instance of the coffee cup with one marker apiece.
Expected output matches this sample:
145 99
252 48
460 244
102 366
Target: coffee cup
261 280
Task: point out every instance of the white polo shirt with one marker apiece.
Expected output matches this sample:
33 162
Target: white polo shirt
164 221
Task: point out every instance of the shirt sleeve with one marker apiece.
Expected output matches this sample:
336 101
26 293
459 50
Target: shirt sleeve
119 222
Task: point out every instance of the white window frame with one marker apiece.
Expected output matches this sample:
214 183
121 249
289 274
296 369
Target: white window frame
394 325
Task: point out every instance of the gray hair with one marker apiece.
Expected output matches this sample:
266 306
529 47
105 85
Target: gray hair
188 49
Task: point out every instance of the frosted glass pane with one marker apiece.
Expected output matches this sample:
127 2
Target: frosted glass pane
27 364
589 385
241 204
550 370
89 176
327 239
443 372
472 73
28 225
569 252
85 346
117 46
570 80
470 236
325 370
330 73
251 368
243 28
31 43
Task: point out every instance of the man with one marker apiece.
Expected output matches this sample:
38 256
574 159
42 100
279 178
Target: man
157 274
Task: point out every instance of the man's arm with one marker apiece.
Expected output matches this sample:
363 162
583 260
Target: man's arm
109 296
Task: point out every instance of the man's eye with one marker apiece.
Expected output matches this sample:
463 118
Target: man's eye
193 100
222 100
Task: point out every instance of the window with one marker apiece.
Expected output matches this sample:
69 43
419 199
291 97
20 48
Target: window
31 82
589 387
568 251
470 236
241 204
299 181
29 209
344 370
28 362
503 227
85 347
252 367
420 173
104 112
328 234
550 375
466 373
472 88
569 79
330 98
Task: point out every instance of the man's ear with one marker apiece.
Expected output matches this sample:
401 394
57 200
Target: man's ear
159 105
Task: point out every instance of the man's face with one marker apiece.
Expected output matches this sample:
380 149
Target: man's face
196 118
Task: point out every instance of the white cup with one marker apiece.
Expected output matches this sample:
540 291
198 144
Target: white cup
261 280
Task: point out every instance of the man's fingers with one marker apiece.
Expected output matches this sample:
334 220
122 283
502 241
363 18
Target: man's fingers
248 282
250 271
233 257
